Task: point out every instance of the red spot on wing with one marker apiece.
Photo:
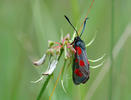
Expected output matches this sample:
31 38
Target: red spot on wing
76 60
78 49
78 73
81 63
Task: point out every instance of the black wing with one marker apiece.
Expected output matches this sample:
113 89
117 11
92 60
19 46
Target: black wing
80 65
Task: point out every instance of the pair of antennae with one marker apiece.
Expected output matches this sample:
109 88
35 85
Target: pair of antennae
74 27
83 22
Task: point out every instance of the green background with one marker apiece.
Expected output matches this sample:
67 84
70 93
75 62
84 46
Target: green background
27 25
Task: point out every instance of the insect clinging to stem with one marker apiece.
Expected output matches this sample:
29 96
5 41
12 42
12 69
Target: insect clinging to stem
76 48
80 64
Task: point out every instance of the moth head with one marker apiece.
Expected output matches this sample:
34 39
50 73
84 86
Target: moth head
77 38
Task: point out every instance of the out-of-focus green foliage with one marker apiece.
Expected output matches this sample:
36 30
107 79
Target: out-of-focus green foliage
27 25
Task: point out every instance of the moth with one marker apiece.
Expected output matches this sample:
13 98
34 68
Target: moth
80 68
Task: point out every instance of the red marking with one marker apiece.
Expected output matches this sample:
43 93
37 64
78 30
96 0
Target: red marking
78 49
81 63
76 60
78 73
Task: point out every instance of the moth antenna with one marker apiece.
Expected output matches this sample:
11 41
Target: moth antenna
83 27
71 24
86 16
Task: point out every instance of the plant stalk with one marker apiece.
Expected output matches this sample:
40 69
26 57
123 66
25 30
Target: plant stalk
47 80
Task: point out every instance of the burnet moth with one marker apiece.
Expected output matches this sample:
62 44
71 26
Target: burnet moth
80 63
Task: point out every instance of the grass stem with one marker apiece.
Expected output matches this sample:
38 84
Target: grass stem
47 80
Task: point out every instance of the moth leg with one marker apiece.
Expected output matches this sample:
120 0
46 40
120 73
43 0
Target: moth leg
91 41
98 59
97 65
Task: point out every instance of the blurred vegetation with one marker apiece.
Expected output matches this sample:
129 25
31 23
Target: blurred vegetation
27 25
